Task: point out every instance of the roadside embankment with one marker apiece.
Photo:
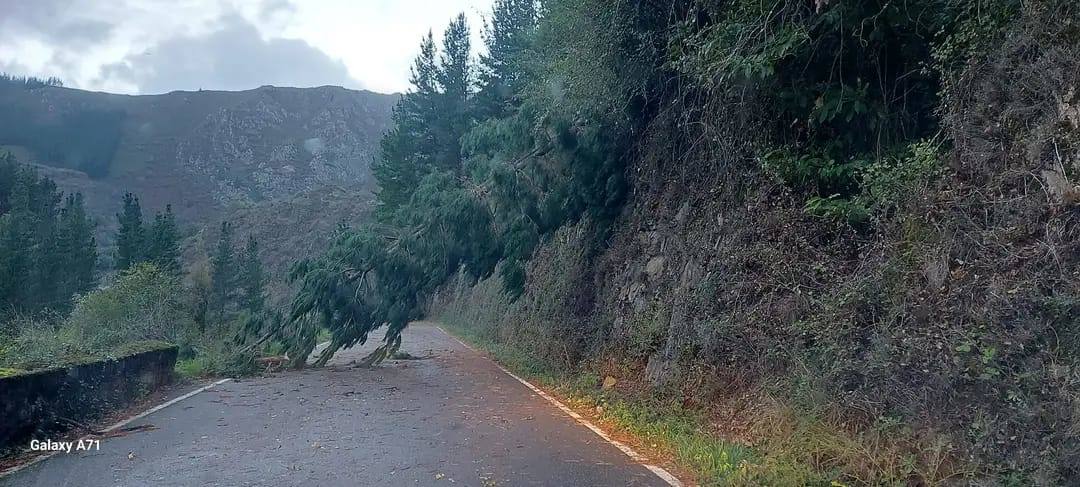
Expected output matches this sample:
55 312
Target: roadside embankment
52 400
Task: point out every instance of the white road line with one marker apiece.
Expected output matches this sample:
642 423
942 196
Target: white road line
635 456
166 404
120 424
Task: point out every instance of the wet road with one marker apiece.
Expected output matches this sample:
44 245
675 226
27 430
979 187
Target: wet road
452 419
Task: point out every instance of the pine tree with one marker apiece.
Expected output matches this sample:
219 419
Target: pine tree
408 150
16 236
502 71
252 278
426 91
164 243
456 79
47 268
223 272
78 248
47 252
430 119
130 238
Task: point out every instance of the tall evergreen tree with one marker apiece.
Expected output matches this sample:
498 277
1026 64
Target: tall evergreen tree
47 252
408 151
223 272
430 119
455 76
163 247
502 72
18 239
131 237
47 267
252 278
78 248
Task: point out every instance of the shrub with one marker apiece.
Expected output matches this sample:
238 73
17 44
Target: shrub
144 304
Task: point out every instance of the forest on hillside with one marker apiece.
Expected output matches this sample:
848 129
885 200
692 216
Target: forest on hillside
64 300
845 230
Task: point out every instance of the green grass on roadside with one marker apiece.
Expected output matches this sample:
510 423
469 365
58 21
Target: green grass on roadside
13 365
193 368
669 430
8 372
790 448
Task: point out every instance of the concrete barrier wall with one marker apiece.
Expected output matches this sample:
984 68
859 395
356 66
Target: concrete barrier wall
37 404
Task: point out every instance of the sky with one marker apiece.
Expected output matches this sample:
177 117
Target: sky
157 46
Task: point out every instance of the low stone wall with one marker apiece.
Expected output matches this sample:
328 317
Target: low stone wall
38 403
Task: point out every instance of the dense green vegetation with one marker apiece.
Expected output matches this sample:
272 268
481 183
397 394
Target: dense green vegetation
830 206
487 160
52 314
469 177
159 244
837 238
47 248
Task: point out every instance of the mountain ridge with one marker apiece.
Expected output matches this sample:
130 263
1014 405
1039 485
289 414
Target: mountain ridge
211 154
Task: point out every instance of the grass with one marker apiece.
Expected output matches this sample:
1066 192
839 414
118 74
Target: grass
788 430
8 372
787 446
137 347
13 363
194 368
669 431
679 433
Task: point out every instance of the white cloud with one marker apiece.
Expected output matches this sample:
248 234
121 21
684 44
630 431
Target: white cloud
233 56
377 40
152 46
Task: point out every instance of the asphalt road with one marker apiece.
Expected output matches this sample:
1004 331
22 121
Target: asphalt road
451 419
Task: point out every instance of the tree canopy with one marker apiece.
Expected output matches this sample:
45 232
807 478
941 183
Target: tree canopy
481 163
47 248
490 154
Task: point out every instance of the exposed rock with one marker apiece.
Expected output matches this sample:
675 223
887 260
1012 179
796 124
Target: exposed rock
654 267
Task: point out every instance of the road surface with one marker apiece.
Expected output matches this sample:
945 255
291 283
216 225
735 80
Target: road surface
453 419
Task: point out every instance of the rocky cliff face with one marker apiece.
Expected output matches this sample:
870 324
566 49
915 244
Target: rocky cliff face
212 155
283 141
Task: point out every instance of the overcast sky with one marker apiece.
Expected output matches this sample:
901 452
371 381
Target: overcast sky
156 46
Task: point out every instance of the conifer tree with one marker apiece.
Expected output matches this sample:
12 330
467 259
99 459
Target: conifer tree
430 119
78 248
17 236
47 252
164 243
409 149
502 71
223 270
252 278
456 79
131 237
46 266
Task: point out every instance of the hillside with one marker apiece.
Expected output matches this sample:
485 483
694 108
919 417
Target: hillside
211 154
840 236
